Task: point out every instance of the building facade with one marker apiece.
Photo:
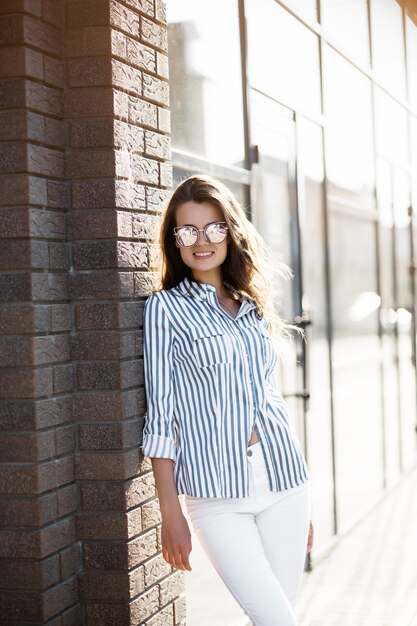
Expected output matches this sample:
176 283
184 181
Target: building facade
315 130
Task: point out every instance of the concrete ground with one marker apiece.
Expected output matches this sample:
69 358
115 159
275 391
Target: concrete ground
368 578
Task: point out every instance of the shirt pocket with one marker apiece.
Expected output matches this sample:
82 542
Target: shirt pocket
266 344
210 346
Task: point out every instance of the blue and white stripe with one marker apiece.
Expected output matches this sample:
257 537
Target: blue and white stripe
209 381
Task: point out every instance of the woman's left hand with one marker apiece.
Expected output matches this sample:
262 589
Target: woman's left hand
310 537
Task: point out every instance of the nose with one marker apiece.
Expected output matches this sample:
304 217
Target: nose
200 237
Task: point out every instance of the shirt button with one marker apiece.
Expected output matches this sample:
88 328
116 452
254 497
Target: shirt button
250 452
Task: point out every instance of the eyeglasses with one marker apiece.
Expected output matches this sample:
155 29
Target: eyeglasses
187 236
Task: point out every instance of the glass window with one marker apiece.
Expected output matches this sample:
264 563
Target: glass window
411 36
283 56
310 172
356 364
391 129
205 79
340 19
413 134
306 8
238 189
349 140
388 56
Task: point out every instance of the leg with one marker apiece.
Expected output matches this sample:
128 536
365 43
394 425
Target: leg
283 528
232 543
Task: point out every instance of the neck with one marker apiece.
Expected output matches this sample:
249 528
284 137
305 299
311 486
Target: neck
213 278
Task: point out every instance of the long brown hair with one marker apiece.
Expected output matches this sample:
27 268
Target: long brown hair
247 267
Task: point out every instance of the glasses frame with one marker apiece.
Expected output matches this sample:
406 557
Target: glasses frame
199 230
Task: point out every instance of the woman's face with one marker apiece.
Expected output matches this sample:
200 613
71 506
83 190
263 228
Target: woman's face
199 215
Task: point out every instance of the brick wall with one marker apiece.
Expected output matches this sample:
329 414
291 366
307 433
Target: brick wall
84 171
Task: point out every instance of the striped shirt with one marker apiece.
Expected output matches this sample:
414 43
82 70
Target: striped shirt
209 381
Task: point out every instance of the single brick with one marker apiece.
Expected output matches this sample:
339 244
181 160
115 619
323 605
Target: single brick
110 466
114 586
157 145
117 436
162 67
145 605
161 11
101 285
49 287
163 618
155 89
145 170
89 72
151 515
171 587
166 179
25 383
109 614
101 224
140 55
104 496
125 19
31 511
26 447
86 13
142 112
154 34
110 405
144 282
43 98
90 163
156 569
40 35
89 133
89 102
156 199
69 561
84 42
31 576
109 526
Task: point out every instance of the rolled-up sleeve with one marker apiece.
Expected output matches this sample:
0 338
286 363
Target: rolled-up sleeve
159 430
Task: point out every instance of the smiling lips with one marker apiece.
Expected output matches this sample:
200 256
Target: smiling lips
203 255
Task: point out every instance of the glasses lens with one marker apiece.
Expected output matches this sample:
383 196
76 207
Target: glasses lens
187 236
216 232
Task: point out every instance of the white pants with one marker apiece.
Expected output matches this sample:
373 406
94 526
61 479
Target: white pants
257 544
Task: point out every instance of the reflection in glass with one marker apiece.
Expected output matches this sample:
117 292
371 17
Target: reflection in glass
388 56
306 8
311 215
404 301
238 189
413 142
205 79
390 128
283 56
349 141
272 203
356 364
340 19
411 38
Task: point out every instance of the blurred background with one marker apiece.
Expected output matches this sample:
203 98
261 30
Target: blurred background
308 111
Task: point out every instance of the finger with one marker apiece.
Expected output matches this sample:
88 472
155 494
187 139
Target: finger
177 562
185 560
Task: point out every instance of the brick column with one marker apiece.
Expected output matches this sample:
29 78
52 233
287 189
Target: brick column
87 139
39 552
118 165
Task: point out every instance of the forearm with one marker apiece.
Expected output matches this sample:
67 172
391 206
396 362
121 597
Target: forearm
163 470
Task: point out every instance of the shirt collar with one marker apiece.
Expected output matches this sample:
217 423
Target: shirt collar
201 291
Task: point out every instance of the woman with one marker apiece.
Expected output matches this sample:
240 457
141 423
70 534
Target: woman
216 428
